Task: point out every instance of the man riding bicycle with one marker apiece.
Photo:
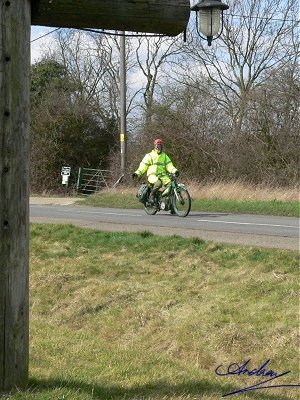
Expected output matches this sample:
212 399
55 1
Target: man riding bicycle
157 164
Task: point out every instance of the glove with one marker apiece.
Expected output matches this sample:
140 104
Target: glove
134 175
176 173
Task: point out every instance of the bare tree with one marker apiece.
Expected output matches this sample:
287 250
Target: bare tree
92 62
152 54
258 35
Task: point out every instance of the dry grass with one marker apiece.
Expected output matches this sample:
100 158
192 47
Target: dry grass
238 190
234 190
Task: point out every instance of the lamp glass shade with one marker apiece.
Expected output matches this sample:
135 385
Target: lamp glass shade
209 22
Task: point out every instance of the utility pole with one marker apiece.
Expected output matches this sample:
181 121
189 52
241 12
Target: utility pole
123 103
14 192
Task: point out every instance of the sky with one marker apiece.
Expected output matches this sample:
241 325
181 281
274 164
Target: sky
38 45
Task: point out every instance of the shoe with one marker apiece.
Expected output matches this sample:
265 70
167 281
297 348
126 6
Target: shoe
172 211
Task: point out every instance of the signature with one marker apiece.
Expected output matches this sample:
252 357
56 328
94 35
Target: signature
262 371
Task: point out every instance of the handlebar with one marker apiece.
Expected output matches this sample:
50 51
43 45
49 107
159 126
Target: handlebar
172 176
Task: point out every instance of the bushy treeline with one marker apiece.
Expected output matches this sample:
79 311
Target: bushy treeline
206 144
231 111
66 130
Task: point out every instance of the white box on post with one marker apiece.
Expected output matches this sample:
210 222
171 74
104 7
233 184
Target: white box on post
65 174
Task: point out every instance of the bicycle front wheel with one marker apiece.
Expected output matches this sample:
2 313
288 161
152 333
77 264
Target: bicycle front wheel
150 210
181 202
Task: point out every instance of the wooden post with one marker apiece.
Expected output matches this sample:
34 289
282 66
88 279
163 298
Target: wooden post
123 130
14 192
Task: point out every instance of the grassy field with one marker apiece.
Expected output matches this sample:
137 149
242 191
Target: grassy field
235 197
132 316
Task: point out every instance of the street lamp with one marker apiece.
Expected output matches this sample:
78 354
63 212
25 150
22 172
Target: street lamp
210 18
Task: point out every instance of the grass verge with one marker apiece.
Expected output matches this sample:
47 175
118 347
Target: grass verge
132 316
121 199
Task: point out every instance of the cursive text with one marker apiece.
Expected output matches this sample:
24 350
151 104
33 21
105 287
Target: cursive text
262 371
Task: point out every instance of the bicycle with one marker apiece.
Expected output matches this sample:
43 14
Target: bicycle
174 198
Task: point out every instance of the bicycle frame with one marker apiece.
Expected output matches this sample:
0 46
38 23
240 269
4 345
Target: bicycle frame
174 198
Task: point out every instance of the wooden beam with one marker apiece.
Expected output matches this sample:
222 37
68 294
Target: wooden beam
14 192
168 17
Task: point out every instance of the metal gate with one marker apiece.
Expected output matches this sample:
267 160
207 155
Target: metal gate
92 180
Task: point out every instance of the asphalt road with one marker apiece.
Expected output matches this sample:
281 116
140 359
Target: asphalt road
253 230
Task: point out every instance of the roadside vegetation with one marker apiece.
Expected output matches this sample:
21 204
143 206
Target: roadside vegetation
226 112
129 316
235 197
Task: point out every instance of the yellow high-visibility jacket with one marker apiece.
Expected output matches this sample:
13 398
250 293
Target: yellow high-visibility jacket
156 165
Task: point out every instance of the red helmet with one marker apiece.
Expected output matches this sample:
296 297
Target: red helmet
157 141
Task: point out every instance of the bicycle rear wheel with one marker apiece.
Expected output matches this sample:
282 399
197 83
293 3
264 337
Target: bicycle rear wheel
181 202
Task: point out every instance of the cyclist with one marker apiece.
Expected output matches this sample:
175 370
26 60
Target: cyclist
157 164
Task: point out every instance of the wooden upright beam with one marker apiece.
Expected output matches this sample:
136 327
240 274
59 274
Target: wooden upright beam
14 192
168 17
